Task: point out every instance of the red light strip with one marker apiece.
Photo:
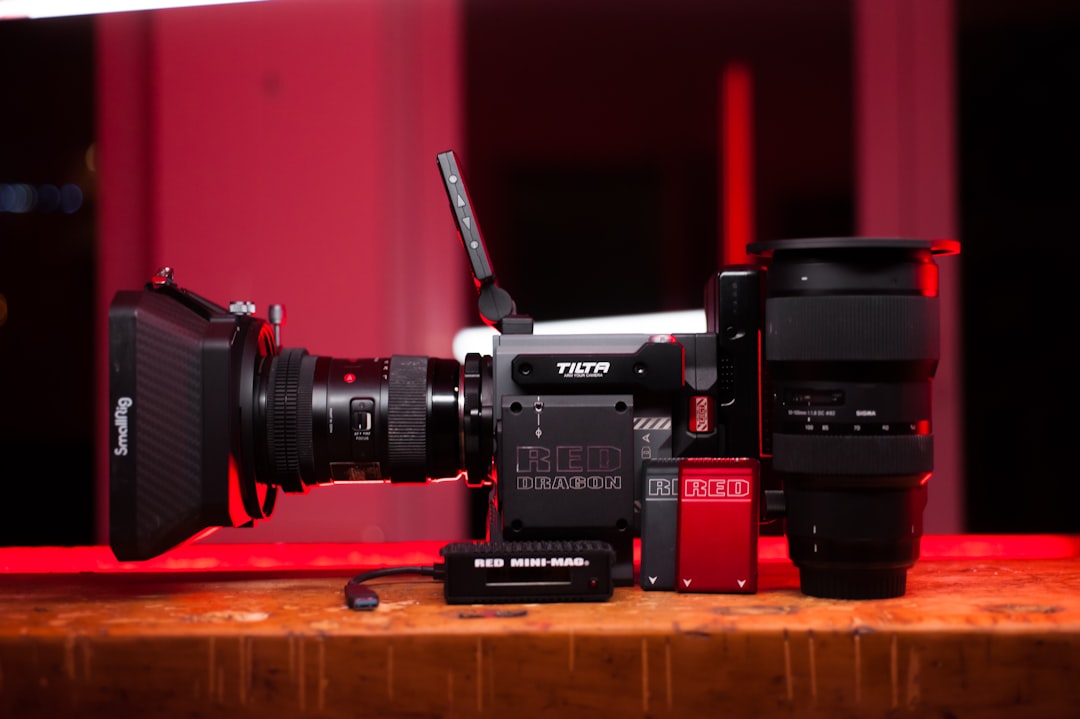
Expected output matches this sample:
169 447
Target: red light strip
736 148
1023 546
344 558
350 558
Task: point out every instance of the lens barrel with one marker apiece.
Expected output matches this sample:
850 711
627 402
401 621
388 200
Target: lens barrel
402 418
851 342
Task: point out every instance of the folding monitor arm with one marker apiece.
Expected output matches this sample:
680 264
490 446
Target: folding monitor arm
496 306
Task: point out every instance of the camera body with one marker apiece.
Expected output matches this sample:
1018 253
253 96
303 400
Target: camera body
807 397
579 418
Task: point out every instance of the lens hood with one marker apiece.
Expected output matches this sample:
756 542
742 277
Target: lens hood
938 247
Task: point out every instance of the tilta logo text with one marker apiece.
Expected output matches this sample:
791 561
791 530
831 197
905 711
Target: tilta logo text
582 369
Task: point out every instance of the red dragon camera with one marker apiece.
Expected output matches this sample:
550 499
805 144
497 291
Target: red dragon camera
808 396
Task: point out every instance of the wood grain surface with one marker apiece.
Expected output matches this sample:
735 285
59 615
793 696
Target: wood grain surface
981 637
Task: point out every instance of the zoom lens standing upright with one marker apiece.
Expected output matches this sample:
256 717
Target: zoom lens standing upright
851 343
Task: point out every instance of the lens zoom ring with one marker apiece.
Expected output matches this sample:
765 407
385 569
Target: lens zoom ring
406 418
877 455
282 418
852 327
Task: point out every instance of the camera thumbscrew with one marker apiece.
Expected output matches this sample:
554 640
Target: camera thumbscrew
242 307
162 277
276 316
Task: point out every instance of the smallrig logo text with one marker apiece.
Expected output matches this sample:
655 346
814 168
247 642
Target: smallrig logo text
583 370
120 421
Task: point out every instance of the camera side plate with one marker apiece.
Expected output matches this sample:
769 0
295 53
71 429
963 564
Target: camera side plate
566 468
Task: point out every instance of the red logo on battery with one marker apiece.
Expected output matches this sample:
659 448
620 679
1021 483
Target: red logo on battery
702 414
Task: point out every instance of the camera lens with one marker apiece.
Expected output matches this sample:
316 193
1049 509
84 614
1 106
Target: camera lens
402 418
851 344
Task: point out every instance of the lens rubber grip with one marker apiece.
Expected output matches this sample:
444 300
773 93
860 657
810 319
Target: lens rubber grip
288 417
406 418
853 456
894 328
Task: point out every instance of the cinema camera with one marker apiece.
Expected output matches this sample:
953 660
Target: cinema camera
808 398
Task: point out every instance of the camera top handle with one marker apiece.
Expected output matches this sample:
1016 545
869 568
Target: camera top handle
496 306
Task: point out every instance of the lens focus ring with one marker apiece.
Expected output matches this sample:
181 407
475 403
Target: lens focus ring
406 418
283 419
847 455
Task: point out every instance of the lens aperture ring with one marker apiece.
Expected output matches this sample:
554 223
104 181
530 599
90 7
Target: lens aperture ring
830 328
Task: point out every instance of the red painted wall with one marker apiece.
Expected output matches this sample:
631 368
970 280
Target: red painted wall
907 187
285 153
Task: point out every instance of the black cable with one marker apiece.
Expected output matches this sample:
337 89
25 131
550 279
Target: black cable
363 598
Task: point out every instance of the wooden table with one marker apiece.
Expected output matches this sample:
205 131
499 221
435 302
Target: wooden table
990 627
